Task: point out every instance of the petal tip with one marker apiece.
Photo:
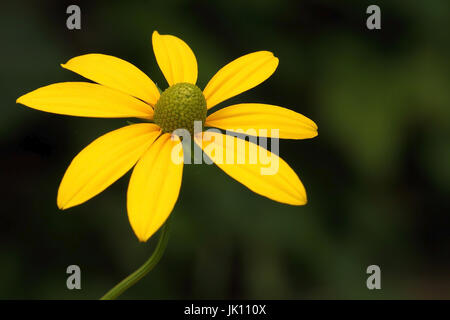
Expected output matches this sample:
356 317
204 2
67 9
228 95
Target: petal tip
300 201
273 56
24 99
61 206
302 198
267 52
140 235
62 202
142 239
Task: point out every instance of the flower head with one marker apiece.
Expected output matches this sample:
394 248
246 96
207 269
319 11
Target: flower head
121 90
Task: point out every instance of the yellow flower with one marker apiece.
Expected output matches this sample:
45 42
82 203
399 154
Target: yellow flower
122 90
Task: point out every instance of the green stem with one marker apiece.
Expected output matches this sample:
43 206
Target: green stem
133 278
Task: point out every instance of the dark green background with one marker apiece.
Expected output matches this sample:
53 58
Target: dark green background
377 176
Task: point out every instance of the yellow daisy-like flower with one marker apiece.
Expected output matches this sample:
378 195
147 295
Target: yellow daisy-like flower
122 90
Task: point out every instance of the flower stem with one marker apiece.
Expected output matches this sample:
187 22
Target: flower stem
133 278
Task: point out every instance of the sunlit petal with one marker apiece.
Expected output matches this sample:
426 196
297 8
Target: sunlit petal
115 73
175 59
154 187
104 161
240 75
255 167
262 119
86 99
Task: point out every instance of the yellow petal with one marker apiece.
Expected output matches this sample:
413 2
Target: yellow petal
115 73
240 75
175 59
154 187
86 99
261 119
104 161
256 168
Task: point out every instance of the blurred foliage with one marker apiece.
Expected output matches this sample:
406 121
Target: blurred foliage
377 176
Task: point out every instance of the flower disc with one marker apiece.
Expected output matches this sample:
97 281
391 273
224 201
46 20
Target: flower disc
179 106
